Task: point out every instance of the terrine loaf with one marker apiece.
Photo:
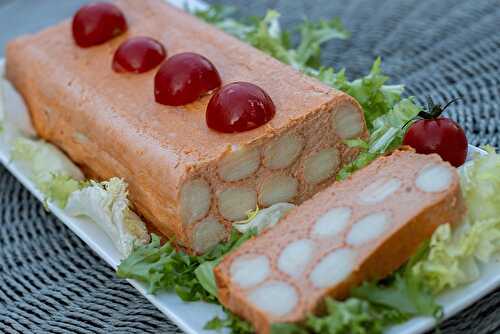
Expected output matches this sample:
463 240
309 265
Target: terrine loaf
360 229
189 181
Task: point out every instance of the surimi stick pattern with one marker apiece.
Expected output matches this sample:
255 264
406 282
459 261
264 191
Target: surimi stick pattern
360 229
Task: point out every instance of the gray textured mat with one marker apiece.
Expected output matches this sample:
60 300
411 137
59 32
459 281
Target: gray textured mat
50 282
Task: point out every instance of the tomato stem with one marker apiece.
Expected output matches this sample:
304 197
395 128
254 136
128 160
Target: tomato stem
433 111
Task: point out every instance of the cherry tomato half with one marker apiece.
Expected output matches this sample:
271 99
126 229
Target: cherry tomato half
183 78
138 55
96 23
238 107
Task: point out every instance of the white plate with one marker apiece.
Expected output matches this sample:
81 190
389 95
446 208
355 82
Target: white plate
191 317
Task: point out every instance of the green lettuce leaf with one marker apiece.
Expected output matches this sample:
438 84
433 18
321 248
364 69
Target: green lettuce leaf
205 271
54 174
107 205
164 268
312 36
370 91
152 263
59 187
61 182
268 36
205 276
288 328
352 316
455 253
232 322
403 293
481 186
265 34
386 135
220 16
388 129
44 158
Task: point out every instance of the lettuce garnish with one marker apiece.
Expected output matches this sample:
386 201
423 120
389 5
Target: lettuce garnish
165 268
59 187
403 291
352 316
107 204
235 324
375 97
267 35
455 255
386 135
54 173
62 183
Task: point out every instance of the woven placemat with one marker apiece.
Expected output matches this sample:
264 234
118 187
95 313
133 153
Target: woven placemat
51 282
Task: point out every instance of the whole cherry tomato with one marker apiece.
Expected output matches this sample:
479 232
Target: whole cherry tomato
433 133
